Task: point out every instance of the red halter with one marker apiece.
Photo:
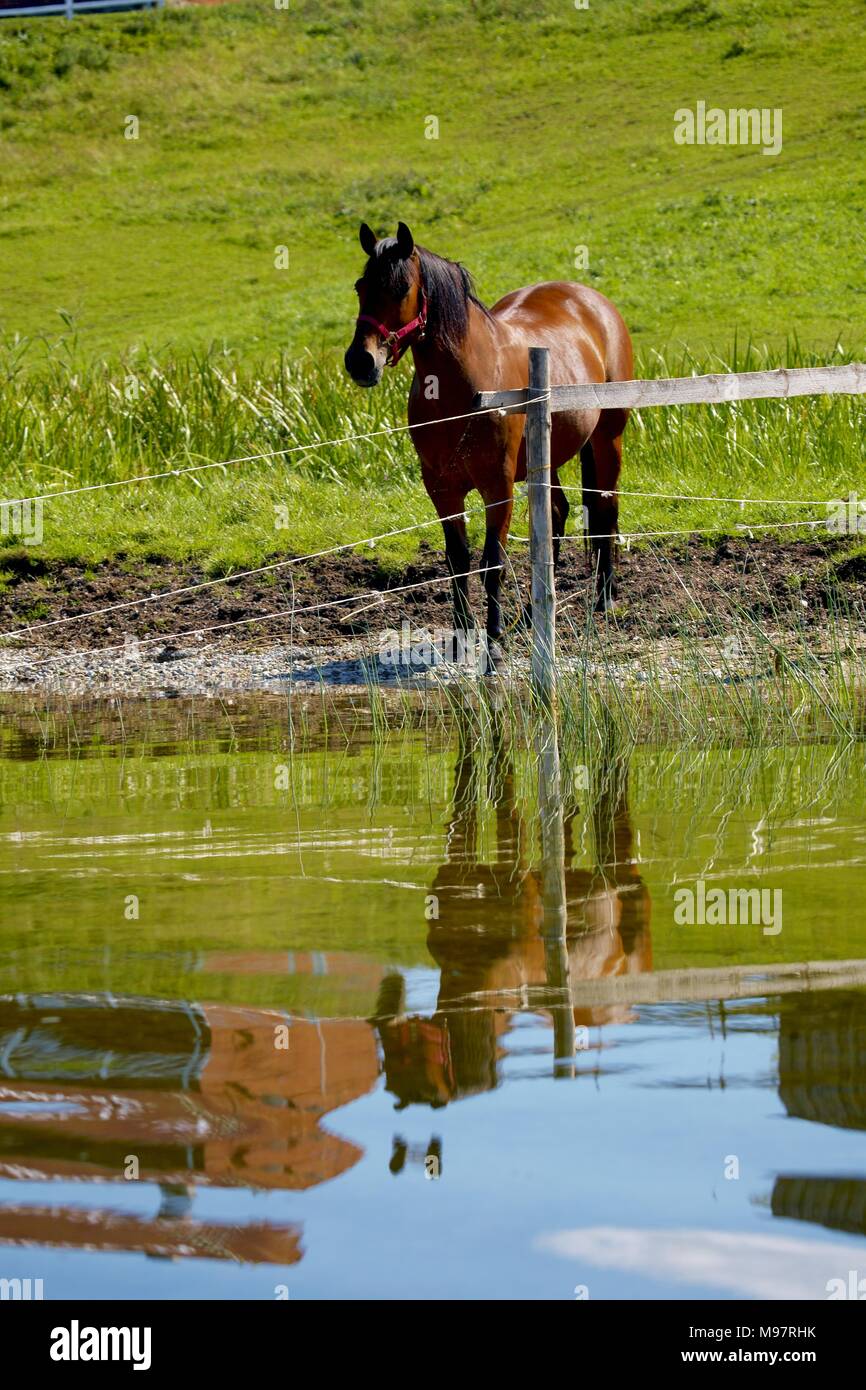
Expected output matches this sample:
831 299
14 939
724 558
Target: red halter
397 340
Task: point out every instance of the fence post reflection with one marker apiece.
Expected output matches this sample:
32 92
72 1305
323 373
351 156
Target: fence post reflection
555 923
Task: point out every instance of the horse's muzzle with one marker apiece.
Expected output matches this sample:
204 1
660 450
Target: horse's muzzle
362 366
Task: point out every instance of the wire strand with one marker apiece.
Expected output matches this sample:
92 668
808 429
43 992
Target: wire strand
255 458
29 628
246 574
691 531
693 497
379 597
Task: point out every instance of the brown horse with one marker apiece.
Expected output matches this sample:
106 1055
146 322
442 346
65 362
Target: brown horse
410 297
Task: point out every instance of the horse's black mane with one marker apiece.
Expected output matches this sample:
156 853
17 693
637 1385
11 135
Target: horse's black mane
447 285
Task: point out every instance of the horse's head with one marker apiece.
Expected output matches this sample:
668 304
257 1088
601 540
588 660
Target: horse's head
392 305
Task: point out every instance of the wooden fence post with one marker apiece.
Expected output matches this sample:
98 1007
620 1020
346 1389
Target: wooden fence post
541 527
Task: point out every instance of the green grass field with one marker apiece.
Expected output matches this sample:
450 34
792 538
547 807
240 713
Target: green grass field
145 324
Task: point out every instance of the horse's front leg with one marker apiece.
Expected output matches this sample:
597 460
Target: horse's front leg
450 508
493 563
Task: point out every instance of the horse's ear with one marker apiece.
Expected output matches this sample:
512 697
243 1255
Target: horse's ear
405 241
367 238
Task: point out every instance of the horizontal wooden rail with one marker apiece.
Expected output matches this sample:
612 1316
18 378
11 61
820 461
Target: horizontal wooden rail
696 985
781 383
725 982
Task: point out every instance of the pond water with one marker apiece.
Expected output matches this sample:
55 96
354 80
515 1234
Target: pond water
283 1017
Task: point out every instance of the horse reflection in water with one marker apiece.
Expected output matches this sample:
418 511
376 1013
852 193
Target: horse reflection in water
489 937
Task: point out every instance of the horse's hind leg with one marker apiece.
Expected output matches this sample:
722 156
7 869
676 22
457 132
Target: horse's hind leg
601 460
493 563
589 485
559 509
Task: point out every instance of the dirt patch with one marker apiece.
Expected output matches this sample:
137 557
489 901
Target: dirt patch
773 581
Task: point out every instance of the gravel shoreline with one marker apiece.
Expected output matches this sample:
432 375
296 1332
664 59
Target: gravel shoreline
170 672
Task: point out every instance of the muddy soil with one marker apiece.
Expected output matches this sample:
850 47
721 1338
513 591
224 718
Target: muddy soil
350 596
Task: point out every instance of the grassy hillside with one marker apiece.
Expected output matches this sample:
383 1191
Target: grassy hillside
261 127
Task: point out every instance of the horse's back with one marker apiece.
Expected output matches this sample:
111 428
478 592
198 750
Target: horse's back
582 328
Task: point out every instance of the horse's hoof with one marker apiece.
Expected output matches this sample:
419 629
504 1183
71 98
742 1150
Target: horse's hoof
494 657
606 605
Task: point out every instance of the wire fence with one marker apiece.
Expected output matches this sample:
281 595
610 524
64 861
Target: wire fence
381 595
626 537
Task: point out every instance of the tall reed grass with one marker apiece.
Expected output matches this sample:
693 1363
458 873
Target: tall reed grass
63 420
68 422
